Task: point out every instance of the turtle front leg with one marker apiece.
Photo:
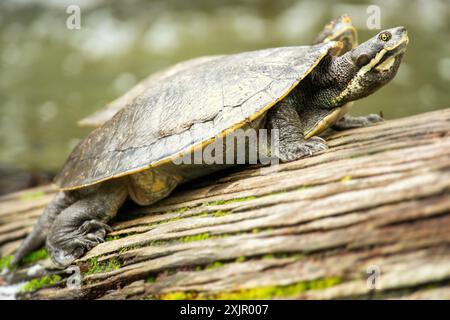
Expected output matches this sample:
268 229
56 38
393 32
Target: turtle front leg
292 143
83 225
349 122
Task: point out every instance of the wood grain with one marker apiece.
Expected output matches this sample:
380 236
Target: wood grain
380 197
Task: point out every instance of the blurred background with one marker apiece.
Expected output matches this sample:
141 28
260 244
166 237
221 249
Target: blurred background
50 76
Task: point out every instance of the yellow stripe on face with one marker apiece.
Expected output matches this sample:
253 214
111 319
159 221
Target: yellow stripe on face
354 83
386 65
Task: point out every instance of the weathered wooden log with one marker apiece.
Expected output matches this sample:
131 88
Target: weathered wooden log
369 218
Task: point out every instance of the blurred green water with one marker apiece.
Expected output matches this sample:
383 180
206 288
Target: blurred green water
51 76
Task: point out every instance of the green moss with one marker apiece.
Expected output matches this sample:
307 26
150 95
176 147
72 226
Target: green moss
34 256
5 262
255 230
303 188
215 214
214 265
221 202
203 215
322 284
150 279
39 283
195 237
33 195
269 292
160 242
266 292
94 266
112 264
99 267
220 213
282 255
346 179
178 295
297 256
112 238
31 258
126 249
240 259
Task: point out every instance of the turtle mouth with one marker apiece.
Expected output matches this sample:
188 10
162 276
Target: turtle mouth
392 55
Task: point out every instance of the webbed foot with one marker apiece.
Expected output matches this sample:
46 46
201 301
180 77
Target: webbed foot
75 240
349 122
301 148
82 226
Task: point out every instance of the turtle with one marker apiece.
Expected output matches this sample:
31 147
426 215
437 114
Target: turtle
296 91
340 28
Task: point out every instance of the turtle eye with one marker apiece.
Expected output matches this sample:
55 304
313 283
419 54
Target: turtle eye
385 36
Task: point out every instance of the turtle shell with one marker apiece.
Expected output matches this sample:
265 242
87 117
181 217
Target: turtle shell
188 109
100 117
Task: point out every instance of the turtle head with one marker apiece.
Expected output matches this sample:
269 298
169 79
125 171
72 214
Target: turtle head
369 66
340 29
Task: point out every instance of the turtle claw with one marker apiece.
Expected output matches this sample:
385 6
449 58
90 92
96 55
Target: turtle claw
85 243
94 226
95 238
303 148
374 118
349 122
93 232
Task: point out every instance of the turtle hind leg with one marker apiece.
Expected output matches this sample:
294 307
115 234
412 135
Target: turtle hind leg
149 186
82 226
349 122
37 237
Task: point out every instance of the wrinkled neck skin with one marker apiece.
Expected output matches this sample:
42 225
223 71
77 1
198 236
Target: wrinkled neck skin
327 81
315 96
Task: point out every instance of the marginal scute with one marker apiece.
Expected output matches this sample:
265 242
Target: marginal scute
188 108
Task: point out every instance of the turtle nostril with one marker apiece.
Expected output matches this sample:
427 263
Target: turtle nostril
401 30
